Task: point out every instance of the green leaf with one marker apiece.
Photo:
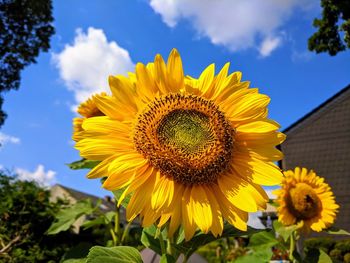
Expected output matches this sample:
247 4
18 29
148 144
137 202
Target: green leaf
167 259
337 231
255 257
109 216
121 254
200 239
284 231
95 222
262 240
148 239
118 193
324 258
83 164
260 245
75 260
317 255
79 251
67 217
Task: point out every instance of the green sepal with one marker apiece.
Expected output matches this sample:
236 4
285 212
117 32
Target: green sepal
83 164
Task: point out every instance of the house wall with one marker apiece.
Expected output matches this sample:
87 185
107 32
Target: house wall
322 143
59 192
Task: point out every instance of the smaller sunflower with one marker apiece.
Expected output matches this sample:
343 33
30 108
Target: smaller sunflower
86 109
305 197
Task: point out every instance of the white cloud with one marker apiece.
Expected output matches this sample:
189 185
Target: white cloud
237 25
85 65
302 56
5 139
42 177
268 45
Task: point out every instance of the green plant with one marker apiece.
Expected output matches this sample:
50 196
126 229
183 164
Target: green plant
324 243
343 246
336 254
25 214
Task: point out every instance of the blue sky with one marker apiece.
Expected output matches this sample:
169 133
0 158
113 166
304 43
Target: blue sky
264 40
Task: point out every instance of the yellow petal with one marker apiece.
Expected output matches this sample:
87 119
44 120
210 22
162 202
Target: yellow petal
163 192
124 92
258 171
141 176
96 149
118 181
149 215
161 74
187 216
100 170
257 127
266 153
260 139
175 71
110 107
125 162
233 89
146 86
175 210
220 80
200 208
236 190
232 214
217 224
104 124
249 107
137 204
205 81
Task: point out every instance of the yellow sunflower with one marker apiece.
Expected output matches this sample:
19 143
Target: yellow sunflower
86 109
190 151
305 197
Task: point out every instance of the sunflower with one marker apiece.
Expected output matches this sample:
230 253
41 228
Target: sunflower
305 197
189 151
86 109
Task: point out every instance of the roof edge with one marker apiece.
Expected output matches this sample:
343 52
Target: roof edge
338 94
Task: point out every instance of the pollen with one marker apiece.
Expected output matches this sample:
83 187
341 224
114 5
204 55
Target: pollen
187 137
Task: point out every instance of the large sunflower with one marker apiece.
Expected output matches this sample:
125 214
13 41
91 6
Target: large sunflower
305 197
190 151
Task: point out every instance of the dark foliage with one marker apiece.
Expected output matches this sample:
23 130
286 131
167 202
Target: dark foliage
25 215
333 33
25 30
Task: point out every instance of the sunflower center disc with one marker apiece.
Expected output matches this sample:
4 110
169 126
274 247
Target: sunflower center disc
186 138
303 202
186 130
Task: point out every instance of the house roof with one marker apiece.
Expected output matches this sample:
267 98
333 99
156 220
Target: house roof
318 109
78 195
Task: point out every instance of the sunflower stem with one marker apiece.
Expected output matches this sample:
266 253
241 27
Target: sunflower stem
169 246
292 247
125 233
116 222
161 241
114 238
